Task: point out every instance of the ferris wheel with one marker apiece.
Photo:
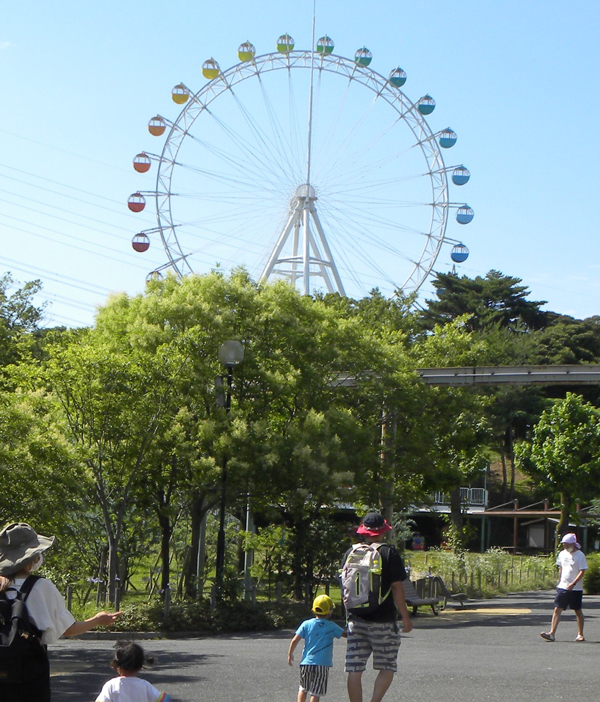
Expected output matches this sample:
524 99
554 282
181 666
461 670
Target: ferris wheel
305 165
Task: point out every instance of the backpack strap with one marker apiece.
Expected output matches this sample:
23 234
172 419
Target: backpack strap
30 581
21 597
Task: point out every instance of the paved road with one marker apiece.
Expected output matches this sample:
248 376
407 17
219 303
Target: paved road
491 651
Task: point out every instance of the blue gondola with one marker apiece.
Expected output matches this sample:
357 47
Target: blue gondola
460 253
426 105
448 138
460 175
464 214
397 77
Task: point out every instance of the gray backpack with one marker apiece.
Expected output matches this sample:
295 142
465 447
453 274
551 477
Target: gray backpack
361 579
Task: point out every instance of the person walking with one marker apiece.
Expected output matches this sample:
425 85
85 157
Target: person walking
21 554
376 631
317 656
572 565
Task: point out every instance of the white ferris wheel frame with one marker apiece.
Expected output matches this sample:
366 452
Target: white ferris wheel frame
380 86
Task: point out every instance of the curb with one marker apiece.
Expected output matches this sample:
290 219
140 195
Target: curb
140 635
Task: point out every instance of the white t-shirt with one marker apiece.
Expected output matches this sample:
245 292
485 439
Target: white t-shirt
47 609
571 564
130 690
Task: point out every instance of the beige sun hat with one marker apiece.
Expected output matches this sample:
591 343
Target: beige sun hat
18 544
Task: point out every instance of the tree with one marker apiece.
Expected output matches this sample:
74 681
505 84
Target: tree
41 480
114 405
18 318
566 340
494 300
564 453
286 434
455 427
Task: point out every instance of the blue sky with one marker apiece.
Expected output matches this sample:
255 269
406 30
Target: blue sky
517 81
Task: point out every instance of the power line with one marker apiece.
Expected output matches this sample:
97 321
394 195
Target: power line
124 212
80 284
64 151
71 236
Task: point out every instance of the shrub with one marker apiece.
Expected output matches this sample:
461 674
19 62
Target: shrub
227 617
591 577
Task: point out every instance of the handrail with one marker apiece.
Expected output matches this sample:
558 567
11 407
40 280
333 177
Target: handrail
540 502
510 502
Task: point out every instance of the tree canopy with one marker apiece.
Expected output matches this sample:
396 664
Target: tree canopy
493 300
327 409
564 453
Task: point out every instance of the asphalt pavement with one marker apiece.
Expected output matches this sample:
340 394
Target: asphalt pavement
489 651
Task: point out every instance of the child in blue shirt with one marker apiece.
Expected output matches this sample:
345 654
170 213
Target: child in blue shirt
317 656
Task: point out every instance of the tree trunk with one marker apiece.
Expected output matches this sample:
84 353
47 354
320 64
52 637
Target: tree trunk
113 568
298 552
565 516
198 510
456 514
101 589
510 451
504 475
166 531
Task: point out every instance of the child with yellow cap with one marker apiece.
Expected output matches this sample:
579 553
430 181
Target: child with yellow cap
317 656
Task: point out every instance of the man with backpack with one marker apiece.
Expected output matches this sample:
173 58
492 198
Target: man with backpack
373 594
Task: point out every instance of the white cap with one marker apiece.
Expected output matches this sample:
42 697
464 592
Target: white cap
570 539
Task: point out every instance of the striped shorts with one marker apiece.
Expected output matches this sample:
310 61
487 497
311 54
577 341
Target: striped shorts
382 639
313 679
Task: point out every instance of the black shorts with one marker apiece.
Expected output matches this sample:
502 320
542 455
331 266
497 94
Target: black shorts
568 599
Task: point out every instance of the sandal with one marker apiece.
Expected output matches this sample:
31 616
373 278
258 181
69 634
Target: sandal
579 637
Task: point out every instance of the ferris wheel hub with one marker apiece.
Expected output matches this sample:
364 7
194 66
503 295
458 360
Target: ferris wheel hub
306 191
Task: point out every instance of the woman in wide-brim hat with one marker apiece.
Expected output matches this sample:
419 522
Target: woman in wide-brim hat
21 554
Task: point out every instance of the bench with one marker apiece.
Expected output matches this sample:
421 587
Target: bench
414 600
438 587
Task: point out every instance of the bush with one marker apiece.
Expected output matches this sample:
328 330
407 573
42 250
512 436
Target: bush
591 577
196 615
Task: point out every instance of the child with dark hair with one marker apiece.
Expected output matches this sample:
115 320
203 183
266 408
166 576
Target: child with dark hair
128 661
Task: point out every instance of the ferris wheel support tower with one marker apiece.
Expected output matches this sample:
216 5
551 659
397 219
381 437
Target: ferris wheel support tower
314 260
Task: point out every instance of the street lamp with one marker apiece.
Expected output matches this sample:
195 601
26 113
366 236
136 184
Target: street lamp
231 354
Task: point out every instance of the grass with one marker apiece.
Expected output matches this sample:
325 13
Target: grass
481 575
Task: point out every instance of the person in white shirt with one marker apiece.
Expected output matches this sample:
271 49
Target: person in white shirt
128 661
21 554
569 592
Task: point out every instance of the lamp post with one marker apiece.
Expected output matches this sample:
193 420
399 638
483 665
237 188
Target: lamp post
231 354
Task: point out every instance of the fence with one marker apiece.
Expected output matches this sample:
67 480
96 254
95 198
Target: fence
477 575
481 574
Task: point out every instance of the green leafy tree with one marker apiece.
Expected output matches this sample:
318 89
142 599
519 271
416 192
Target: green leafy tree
19 317
41 480
493 300
286 432
114 405
564 453
456 431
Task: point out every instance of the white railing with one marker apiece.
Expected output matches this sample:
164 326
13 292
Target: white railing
475 497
